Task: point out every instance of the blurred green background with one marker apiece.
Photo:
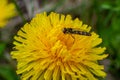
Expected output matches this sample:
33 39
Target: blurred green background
102 15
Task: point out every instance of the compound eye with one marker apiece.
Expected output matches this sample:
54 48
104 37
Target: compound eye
64 30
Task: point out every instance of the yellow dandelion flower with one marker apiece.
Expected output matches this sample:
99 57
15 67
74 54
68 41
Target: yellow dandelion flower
6 11
44 52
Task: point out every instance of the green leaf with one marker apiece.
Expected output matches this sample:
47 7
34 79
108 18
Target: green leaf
7 73
2 48
106 6
116 23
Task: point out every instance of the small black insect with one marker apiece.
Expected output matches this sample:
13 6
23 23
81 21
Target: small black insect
75 31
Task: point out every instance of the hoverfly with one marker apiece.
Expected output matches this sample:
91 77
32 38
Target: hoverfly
75 31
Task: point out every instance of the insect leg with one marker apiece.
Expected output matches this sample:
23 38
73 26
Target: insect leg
73 38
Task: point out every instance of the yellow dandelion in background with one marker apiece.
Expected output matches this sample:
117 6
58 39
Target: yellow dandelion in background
44 52
6 11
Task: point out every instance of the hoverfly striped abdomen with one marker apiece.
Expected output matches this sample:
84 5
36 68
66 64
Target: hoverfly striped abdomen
74 31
